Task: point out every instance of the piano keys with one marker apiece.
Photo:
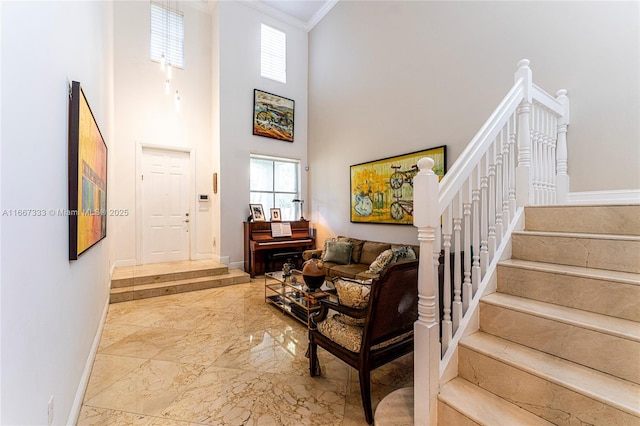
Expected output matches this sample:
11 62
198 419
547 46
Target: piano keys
259 242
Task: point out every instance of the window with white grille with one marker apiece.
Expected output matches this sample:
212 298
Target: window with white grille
275 183
167 35
273 54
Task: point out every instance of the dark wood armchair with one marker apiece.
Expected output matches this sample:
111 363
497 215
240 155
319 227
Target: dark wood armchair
386 333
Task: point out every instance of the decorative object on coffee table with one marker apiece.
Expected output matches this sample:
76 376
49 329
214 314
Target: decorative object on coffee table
313 273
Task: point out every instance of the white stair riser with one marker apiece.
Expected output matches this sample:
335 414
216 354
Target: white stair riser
614 255
600 351
611 298
548 400
619 220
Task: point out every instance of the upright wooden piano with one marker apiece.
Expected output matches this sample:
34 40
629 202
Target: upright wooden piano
259 244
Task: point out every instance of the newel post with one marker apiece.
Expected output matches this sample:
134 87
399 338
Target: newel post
426 217
524 170
562 176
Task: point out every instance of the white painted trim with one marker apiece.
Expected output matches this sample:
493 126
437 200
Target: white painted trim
470 322
124 262
288 19
622 196
140 146
86 374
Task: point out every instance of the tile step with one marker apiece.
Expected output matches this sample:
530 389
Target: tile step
604 388
611 293
173 271
607 219
597 322
480 406
143 291
609 252
596 341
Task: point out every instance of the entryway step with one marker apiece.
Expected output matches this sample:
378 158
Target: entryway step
555 389
164 288
127 276
611 293
463 403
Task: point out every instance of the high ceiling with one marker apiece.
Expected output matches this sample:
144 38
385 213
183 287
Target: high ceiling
304 14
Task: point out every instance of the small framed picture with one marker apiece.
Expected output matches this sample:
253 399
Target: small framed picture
257 213
275 215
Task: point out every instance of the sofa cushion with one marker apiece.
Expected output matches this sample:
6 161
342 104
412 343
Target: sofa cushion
403 253
338 252
347 271
371 250
357 248
381 261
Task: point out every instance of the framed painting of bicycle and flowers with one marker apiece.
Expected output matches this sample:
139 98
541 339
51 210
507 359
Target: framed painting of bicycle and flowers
382 190
272 116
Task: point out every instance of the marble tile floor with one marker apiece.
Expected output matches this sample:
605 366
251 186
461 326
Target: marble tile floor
221 357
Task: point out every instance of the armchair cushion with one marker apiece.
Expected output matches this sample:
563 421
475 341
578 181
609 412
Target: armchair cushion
338 252
346 335
354 294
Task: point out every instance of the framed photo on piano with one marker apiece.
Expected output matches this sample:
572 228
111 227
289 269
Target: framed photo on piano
257 212
275 215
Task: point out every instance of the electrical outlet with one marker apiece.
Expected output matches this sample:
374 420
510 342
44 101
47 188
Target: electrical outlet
50 410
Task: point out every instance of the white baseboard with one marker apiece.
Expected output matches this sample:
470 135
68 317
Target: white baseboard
86 374
124 262
622 196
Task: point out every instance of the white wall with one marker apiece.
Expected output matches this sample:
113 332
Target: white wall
239 75
392 77
51 308
145 115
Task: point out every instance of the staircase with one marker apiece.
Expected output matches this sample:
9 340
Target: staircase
141 282
559 342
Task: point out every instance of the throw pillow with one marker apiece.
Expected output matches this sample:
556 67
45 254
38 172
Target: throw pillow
403 253
338 252
381 261
352 293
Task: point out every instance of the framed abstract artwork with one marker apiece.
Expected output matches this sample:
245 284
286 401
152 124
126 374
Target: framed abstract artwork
382 190
87 176
273 116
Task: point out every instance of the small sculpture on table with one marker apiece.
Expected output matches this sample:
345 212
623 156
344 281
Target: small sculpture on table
313 273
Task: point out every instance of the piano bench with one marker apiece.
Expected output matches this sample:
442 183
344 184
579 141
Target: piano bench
272 258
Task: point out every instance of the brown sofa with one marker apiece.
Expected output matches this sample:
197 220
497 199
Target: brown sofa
362 256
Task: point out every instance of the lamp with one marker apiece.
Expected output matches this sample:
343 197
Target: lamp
297 200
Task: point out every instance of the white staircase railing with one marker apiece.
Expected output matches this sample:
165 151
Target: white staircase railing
518 158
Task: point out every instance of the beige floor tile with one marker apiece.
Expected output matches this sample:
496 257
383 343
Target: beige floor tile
221 356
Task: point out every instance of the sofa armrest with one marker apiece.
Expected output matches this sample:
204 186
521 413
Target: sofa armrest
306 255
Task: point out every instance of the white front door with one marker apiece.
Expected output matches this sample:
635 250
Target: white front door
165 205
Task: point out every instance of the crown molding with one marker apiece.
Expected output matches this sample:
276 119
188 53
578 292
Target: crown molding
288 19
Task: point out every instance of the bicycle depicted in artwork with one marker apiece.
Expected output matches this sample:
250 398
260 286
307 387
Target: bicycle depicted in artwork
269 117
396 181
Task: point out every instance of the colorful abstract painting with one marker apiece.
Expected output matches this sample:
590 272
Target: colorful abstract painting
87 177
272 116
382 190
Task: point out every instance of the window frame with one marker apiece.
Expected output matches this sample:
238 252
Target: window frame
273 53
288 212
166 35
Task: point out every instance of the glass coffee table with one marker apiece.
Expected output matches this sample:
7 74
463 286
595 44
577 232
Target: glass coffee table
292 296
